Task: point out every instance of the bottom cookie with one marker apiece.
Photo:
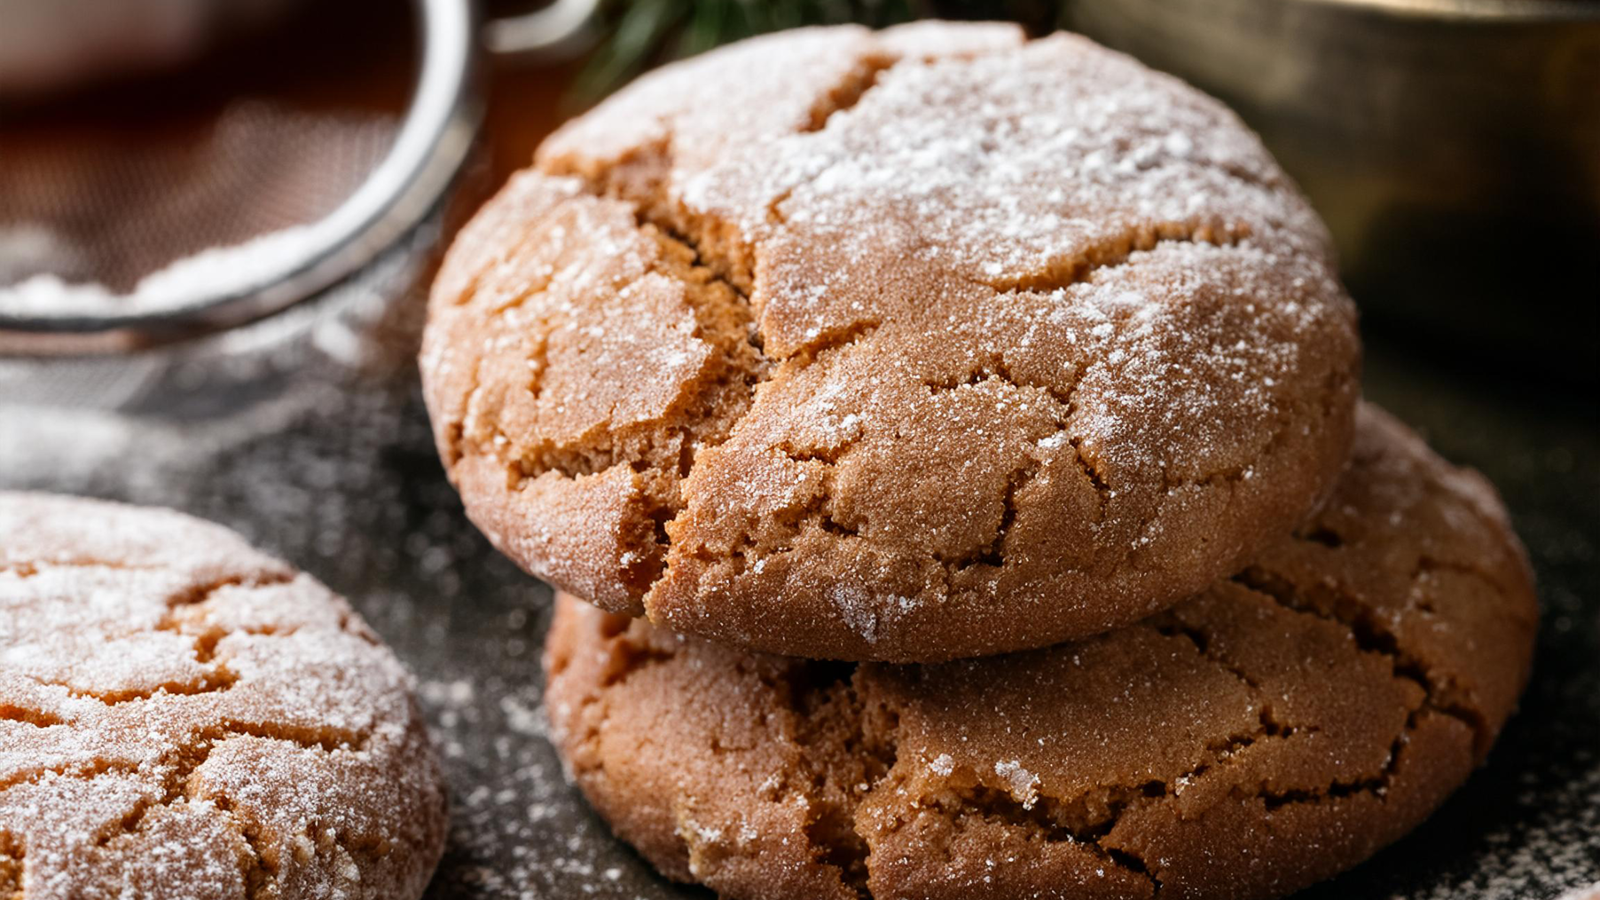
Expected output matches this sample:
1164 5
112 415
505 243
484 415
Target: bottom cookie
1269 732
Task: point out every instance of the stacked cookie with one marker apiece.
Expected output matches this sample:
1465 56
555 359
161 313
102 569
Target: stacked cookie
958 439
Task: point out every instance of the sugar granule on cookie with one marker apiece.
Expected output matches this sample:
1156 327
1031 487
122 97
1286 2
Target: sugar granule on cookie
185 718
908 345
1271 731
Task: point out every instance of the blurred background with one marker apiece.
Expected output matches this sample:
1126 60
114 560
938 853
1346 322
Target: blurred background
1453 146
218 219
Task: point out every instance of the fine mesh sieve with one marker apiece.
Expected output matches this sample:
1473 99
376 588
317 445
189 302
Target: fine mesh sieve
109 245
255 169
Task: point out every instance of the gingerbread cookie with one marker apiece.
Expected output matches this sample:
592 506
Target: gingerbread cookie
1271 731
904 346
182 716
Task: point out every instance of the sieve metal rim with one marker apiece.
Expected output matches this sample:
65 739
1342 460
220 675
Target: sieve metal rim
440 125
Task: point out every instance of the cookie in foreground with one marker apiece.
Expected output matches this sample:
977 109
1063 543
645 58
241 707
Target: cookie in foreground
906 346
1277 728
184 717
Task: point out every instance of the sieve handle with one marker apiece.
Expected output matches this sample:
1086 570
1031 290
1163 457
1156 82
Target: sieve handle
552 32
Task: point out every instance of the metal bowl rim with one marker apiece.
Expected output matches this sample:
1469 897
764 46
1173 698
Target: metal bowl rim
1481 11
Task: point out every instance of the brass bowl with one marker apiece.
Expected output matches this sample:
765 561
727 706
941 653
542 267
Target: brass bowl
1453 146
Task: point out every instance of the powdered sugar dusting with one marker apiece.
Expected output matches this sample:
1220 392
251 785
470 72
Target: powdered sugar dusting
858 610
1518 861
193 279
994 146
940 152
1024 785
197 708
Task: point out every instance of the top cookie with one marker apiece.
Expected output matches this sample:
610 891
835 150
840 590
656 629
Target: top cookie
908 345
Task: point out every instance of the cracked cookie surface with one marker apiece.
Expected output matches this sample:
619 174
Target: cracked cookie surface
905 346
1269 732
185 718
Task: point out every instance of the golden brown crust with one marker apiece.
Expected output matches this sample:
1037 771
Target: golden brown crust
1269 732
184 717
903 346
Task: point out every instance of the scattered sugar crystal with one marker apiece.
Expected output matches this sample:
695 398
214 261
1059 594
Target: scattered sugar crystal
1024 785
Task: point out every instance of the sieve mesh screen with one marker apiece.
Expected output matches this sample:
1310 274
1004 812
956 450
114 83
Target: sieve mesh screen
117 207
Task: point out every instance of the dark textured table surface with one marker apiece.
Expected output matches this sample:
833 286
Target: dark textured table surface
332 467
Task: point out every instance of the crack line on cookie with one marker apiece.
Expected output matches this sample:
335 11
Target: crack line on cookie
261 873
455 432
13 858
1083 268
215 680
1046 811
66 770
1116 251
1052 820
39 718
857 83
996 369
602 451
1377 785
1371 636
178 787
202 592
1059 821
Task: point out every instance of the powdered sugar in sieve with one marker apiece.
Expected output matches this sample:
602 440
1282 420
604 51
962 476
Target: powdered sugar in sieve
141 226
